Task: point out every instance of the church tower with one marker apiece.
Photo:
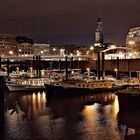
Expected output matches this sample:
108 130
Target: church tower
99 34
99 44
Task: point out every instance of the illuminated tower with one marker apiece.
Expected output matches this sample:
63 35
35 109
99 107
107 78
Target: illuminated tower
99 35
99 45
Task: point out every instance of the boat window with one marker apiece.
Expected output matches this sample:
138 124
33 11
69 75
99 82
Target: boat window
83 85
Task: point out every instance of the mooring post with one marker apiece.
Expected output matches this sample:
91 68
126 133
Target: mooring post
39 65
8 69
103 65
60 63
117 70
66 65
98 65
36 66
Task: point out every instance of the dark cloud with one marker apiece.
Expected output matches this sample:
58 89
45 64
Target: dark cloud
64 21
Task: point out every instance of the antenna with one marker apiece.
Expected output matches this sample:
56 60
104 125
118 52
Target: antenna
99 16
99 13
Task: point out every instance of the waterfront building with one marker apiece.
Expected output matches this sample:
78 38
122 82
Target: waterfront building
8 46
25 46
114 52
133 42
41 49
55 49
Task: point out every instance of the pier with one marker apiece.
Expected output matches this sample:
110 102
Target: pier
128 66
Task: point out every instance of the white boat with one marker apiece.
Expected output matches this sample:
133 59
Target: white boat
2 73
27 84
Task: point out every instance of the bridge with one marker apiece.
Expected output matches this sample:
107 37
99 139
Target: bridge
46 58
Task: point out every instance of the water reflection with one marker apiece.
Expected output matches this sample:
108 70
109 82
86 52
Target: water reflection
29 105
71 108
89 117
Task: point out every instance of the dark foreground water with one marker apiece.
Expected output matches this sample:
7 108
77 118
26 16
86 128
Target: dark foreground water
31 116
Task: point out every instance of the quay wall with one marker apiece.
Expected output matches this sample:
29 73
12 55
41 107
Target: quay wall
124 65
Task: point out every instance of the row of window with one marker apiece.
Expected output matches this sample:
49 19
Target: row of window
92 85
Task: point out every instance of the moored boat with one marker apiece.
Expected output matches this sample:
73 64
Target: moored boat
27 84
129 98
79 87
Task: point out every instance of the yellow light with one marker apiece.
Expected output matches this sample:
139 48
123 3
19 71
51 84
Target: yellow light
89 111
91 48
33 95
131 42
72 72
54 49
44 96
77 51
116 69
41 52
11 52
87 52
88 69
116 106
71 54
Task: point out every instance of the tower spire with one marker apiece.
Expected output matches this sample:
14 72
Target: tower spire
99 35
99 41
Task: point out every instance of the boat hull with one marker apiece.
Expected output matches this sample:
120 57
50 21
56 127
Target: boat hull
24 88
129 101
54 90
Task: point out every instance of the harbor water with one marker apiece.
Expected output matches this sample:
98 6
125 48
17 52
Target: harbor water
33 116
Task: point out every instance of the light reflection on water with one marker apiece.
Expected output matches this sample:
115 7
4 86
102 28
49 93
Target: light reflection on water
33 116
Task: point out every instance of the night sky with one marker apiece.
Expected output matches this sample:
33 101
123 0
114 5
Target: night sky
68 21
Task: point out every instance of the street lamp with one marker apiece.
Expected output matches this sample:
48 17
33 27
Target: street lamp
41 52
131 42
11 52
54 49
91 48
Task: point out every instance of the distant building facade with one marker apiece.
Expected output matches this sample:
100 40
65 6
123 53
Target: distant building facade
25 46
133 42
41 49
8 46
